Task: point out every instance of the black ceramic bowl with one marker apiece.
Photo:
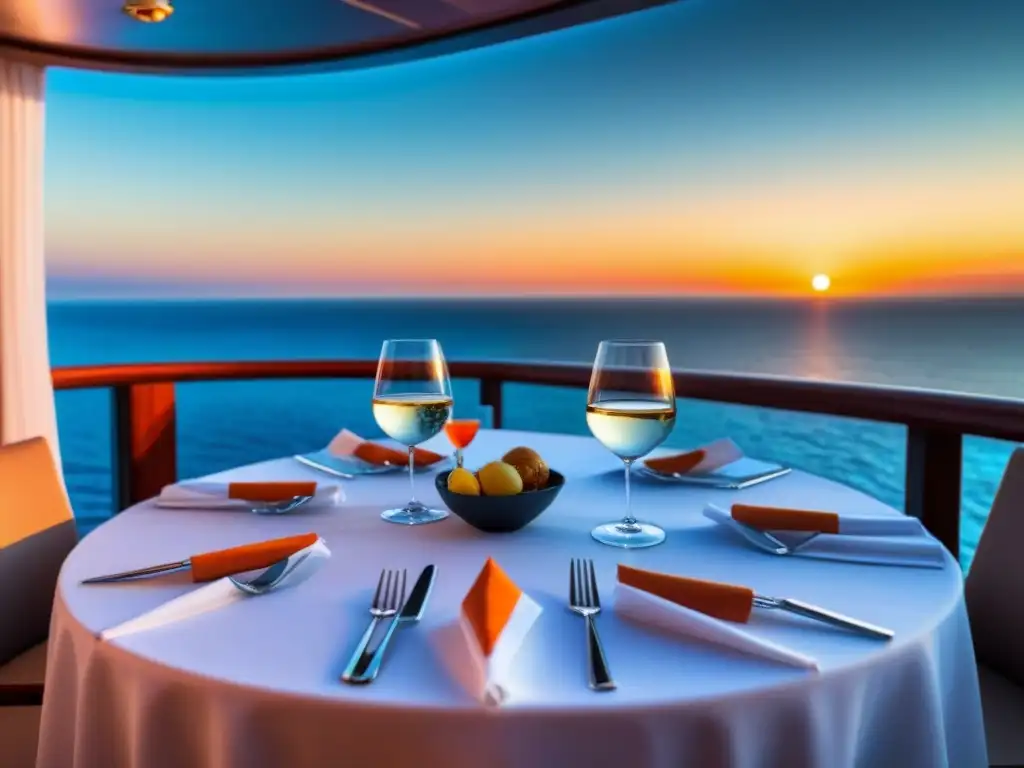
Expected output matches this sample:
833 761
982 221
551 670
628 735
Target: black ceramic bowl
500 514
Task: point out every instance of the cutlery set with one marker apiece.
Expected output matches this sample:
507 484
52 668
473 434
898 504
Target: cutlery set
283 558
290 570
584 600
367 666
364 665
896 541
387 601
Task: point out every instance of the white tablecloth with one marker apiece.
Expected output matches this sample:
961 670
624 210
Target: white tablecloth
255 684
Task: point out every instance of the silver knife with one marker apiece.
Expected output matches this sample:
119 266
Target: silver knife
410 613
309 461
809 611
749 482
719 481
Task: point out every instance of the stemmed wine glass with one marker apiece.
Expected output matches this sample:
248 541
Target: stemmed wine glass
631 409
412 400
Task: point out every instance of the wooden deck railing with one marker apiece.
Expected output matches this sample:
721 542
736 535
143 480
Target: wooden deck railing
145 438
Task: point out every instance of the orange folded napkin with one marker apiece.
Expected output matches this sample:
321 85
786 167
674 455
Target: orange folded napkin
272 491
708 611
210 566
677 463
814 521
348 443
723 601
495 617
208 494
705 459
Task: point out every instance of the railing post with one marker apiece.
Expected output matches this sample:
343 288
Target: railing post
934 472
490 394
144 442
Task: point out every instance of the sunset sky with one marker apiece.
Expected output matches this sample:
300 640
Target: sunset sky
708 147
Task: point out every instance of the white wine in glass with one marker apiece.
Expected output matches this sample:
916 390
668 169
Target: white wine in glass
412 400
631 410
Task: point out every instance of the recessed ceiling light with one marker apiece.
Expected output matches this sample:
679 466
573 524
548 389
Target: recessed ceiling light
149 11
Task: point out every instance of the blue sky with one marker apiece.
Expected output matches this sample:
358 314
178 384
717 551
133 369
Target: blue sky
710 146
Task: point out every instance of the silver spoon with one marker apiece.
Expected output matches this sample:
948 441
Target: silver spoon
296 568
281 507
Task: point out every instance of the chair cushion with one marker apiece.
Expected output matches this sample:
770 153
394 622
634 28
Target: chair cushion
37 531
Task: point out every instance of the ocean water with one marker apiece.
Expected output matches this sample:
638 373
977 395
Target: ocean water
957 345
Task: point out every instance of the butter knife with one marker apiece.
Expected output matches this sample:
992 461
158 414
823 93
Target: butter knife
410 613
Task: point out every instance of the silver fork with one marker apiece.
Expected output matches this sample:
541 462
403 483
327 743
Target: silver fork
585 600
760 539
388 598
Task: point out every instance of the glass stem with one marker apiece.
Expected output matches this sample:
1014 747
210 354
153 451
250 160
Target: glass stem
458 457
412 477
628 520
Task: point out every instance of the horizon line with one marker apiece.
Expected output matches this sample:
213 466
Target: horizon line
810 298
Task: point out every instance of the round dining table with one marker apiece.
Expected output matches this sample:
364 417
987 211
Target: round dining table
256 684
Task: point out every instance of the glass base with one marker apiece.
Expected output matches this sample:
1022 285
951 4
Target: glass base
636 536
414 514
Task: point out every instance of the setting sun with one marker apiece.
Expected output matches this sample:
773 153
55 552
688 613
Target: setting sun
821 283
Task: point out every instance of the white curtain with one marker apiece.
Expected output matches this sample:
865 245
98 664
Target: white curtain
26 390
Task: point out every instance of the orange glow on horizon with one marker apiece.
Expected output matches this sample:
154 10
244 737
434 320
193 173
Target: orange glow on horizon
601 270
745 248
901 240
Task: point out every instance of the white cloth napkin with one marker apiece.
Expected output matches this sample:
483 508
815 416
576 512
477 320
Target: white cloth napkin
889 525
643 607
217 594
919 551
193 494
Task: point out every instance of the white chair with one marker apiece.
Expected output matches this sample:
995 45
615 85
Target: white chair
995 603
37 531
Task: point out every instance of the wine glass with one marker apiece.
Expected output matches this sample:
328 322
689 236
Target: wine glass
412 400
631 409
